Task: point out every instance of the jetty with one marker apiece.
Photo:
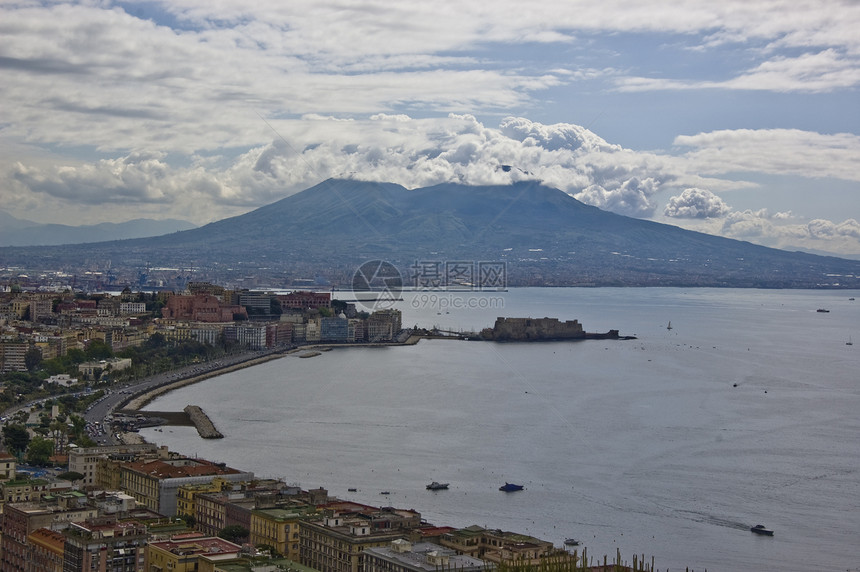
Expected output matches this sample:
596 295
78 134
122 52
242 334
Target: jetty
205 427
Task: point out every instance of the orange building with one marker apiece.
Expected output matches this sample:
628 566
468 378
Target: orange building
200 308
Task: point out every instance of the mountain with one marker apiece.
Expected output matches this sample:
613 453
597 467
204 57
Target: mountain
19 232
542 235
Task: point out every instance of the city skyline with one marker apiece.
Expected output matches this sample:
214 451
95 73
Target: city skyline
733 119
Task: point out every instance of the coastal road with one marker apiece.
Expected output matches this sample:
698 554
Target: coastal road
120 395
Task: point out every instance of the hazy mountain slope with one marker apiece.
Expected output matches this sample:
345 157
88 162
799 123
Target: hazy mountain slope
18 232
542 234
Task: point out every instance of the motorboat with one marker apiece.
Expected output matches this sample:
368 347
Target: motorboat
760 529
510 487
435 486
571 542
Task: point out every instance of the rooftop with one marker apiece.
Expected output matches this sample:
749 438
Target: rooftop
197 545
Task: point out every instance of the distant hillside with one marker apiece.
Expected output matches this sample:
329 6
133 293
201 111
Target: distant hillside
18 232
544 236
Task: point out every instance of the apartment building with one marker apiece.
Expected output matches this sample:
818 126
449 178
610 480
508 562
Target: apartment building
336 541
404 556
154 484
181 553
104 545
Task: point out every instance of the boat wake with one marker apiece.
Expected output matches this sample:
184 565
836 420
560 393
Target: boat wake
712 519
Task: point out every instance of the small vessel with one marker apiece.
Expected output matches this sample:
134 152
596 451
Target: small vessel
669 327
510 487
434 486
571 542
849 342
823 310
384 492
352 490
760 529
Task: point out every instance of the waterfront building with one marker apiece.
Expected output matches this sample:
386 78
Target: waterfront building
404 556
279 334
254 302
206 333
247 335
384 325
499 546
312 330
335 542
93 369
334 329
85 460
201 308
304 300
154 484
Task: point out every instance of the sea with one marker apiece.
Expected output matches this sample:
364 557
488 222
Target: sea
668 446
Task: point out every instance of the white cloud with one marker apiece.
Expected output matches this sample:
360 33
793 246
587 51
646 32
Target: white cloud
822 71
161 105
696 203
394 148
775 151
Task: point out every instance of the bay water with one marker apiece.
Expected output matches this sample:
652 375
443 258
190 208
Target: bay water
746 411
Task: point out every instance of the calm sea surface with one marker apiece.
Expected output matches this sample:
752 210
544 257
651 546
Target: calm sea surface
645 445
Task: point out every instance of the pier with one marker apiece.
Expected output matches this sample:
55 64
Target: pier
205 427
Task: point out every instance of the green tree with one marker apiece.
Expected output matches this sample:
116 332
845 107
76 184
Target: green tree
189 519
70 476
16 437
32 359
39 451
78 426
98 350
234 533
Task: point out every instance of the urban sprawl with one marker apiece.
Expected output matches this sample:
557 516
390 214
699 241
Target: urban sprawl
81 491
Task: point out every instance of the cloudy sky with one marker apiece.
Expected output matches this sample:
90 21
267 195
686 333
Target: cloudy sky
738 118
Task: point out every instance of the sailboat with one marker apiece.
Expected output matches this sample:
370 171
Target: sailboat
669 327
849 342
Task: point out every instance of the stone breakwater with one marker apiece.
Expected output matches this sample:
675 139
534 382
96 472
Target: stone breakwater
201 421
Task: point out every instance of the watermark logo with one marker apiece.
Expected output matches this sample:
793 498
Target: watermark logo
378 284
382 283
459 275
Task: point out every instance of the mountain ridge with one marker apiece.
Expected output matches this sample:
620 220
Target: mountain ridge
543 236
21 232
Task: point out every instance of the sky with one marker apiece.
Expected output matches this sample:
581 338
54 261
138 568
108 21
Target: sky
736 118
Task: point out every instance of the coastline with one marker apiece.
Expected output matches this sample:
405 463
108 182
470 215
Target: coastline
139 401
307 351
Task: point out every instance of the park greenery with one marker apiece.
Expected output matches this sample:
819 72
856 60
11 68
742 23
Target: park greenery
53 434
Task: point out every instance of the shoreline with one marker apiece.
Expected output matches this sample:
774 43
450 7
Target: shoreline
143 399
311 350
